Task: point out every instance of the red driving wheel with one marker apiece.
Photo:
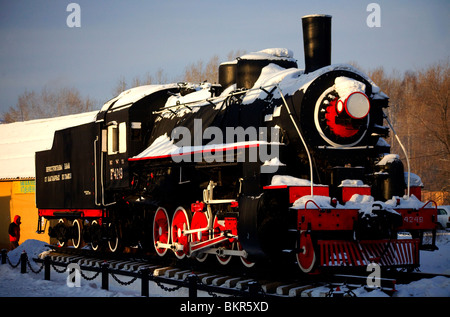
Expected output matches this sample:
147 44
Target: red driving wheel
306 258
180 222
161 230
199 221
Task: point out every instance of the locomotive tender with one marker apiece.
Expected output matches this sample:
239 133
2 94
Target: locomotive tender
273 161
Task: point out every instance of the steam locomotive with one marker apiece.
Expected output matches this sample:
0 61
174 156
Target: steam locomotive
273 162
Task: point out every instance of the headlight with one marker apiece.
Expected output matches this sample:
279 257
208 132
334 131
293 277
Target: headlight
356 105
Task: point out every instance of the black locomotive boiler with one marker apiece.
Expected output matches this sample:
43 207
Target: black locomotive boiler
274 162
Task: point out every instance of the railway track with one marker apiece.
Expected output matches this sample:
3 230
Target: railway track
218 281
215 282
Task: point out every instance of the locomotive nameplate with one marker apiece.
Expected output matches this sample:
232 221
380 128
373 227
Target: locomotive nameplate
63 175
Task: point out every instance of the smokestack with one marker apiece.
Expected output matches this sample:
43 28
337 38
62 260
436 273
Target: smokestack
316 41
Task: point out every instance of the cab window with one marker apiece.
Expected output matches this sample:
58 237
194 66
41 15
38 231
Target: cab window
117 138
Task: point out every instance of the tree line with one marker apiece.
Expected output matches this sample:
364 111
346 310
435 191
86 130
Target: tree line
418 110
53 101
48 103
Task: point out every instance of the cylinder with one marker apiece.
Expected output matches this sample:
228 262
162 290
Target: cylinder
227 74
389 181
248 71
316 41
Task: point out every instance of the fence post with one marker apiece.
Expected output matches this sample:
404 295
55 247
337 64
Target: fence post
192 281
4 251
47 268
144 282
105 277
253 289
23 262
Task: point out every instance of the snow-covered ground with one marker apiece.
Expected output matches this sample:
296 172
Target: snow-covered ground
15 284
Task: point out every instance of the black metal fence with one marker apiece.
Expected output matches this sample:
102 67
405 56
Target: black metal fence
191 281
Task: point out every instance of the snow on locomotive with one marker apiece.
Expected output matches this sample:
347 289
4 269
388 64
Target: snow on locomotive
273 161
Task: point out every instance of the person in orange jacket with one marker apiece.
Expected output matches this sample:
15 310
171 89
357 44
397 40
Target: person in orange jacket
14 232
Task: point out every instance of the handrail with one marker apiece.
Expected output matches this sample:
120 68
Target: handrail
404 152
301 137
210 101
312 201
429 201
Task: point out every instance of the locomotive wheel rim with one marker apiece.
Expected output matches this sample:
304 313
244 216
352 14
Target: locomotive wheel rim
114 247
306 259
161 230
200 220
201 257
244 260
94 246
76 242
180 222
61 242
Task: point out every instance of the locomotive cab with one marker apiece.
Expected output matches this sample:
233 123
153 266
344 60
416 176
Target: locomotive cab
126 125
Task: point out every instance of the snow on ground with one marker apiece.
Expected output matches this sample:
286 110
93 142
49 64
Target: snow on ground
15 284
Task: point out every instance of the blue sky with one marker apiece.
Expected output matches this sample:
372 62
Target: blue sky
132 38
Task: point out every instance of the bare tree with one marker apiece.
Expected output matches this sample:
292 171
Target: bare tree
233 54
194 73
433 99
158 79
419 110
199 72
431 117
120 86
50 102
